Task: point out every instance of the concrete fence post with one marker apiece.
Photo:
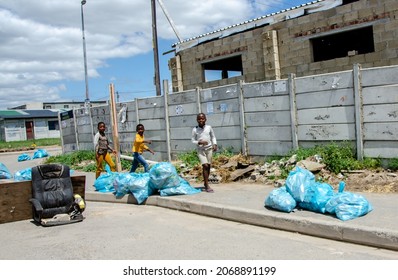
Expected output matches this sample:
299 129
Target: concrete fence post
242 121
198 100
358 101
137 115
75 123
166 117
293 110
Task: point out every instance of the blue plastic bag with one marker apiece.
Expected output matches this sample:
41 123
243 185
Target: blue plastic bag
316 197
134 183
104 183
23 157
184 188
4 172
347 205
163 175
163 178
40 153
23 175
298 182
280 199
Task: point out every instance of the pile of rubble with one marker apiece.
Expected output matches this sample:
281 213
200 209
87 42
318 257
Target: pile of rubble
7 150
241 168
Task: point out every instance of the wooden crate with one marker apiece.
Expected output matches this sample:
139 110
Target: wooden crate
15 195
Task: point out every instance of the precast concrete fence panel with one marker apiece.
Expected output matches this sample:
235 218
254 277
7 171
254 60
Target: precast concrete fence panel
259 119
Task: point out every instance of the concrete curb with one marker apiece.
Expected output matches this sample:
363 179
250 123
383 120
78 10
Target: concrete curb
364 235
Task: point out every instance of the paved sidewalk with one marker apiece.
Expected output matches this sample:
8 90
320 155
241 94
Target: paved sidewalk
245 203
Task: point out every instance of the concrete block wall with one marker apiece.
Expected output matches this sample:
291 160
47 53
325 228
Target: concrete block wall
294 45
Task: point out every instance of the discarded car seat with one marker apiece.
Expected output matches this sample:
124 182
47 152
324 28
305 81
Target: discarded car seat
52 199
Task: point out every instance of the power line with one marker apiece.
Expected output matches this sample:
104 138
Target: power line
282 4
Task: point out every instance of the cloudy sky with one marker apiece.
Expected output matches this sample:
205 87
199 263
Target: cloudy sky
41 45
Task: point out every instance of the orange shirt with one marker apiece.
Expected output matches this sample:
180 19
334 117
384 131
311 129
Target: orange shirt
139 146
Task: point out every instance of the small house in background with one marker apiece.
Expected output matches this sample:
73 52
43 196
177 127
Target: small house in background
36 120
21 125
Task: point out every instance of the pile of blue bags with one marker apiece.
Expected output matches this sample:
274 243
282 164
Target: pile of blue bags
4 172
40 153
302 191
21 175
161 179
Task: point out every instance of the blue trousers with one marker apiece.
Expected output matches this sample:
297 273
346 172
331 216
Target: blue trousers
138 158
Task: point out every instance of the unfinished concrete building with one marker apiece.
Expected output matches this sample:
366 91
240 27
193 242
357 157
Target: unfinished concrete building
314 38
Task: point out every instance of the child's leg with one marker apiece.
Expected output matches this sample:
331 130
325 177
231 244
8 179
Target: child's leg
206 173
135 163
99 166
109 161
140 159
205 160
209 155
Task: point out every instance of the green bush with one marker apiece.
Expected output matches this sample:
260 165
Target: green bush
189 158
72 159
224 152
393 164
336 157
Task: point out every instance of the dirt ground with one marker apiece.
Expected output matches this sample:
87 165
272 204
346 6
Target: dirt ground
369 181
374 181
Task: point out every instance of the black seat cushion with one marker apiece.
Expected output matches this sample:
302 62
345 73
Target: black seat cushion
52 188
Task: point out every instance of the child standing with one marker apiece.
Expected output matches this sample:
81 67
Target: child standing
139 147
205 140
102 147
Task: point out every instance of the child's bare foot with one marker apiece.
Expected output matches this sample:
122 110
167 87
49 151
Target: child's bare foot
209 190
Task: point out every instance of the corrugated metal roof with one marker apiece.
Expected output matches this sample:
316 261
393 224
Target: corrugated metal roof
310 7
27 114
10 113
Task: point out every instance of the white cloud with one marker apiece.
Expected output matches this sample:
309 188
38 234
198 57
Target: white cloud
41 49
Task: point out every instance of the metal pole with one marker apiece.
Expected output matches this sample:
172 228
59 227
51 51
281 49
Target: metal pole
87 100
170 20
115 132
155 48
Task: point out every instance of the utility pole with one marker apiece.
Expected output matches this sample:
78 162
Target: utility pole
155 48
87 100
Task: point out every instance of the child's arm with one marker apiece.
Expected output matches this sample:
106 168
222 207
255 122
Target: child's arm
112 150
151 151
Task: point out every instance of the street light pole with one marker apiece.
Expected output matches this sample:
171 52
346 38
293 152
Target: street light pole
155 48
87 100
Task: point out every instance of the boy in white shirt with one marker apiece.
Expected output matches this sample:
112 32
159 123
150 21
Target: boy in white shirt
205 140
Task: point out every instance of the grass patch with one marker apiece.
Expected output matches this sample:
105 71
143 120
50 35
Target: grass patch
82 160
30 143
337 157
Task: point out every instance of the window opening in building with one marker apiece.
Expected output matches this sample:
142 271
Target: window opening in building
48 106
349 1
66 106
358 41
223 68
53 125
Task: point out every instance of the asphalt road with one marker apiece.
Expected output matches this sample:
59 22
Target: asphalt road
141 232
